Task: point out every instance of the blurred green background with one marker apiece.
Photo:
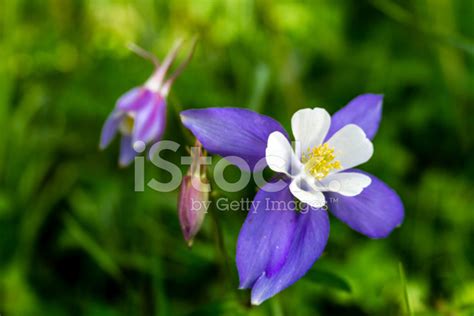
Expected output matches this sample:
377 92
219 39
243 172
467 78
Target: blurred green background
77 240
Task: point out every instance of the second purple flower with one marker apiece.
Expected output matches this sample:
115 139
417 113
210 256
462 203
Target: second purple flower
140 114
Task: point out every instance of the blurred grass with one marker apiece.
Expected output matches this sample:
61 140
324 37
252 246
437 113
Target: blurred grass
77 240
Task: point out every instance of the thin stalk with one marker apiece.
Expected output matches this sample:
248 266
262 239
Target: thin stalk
181 67
144 54
221 247
405 289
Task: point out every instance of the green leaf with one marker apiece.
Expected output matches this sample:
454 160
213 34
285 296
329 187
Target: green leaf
92 247
329 279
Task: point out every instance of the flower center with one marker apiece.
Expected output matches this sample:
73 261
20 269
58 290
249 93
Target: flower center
126 126
319 161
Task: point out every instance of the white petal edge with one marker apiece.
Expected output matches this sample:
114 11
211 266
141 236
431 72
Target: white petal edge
280 156
351 146
346 183
303 191
310 127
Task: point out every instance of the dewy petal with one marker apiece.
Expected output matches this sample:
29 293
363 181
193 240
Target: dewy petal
309 127
375 212
127 153
150 120
280 156
351 146
364 111
265 237
110 128
346 183
307 244
232 132
302 189
134 99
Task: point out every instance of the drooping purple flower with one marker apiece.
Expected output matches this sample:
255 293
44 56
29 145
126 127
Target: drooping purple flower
277 246
193 196
140 114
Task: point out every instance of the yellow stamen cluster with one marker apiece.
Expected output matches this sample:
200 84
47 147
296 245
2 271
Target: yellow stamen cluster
126 126
320 161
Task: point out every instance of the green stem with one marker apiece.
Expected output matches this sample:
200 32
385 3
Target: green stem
405 288
222 248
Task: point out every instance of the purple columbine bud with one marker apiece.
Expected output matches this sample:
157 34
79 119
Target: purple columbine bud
140 114
193 196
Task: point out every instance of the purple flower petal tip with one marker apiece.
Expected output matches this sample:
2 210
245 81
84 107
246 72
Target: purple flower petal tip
277 245
238 134
110 129
364 110
265 237
375 212
127 152
307 245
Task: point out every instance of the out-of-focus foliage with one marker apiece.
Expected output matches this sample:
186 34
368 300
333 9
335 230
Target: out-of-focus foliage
77 240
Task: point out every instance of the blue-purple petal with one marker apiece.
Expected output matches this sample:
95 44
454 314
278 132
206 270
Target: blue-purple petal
232 132
134 99
365 111
127 153
307 244
150 120
109 130
375 212
265 237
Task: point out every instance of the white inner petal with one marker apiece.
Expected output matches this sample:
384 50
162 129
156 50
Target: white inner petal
280 156
310 127
351 146
303 191
346 183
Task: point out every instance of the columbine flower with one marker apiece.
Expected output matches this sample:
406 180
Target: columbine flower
140 114
276 247
193 196
322 165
